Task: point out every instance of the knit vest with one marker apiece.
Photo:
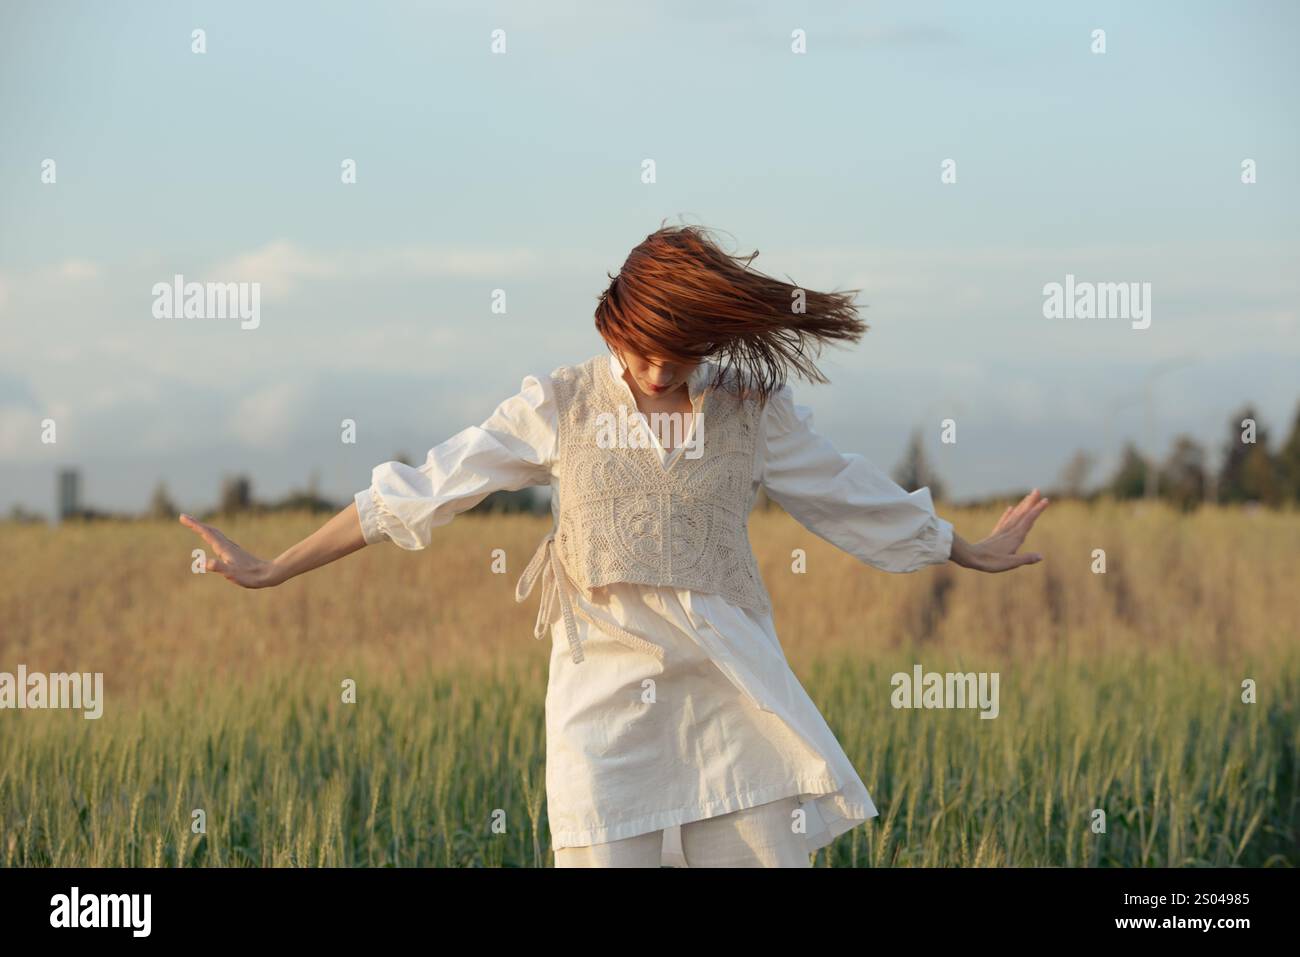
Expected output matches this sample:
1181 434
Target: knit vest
626 517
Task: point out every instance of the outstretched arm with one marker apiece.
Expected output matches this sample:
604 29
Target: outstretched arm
340 536
854 505
513 449
844 498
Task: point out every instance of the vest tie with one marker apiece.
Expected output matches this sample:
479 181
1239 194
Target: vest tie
557 586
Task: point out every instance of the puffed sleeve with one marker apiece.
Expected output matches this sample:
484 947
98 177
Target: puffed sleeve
512 449
845 499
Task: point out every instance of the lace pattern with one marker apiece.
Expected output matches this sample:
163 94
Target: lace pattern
626 516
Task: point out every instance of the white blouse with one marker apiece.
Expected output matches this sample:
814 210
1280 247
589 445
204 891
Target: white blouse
714 720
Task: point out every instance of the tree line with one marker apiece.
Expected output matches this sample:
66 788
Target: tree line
1250 469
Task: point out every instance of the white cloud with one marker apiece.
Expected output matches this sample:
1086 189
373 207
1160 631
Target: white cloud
58 274
114 394
281 266
268 416
19 432
75 270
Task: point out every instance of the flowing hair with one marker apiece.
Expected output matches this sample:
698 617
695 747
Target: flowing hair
680 297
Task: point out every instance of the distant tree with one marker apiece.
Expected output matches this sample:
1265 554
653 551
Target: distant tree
914 471
1249 472
1131 477
1260 478
1183 476
1288 461
1074 475
160 504
236 494
307 500
22 516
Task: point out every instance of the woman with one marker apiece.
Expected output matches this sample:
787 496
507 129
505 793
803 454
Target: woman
676 731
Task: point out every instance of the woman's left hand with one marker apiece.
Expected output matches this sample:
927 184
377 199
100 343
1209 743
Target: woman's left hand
997 552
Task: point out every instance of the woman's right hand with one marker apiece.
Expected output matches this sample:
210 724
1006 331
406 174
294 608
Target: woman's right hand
230 560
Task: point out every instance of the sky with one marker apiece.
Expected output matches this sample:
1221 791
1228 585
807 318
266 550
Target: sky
522 171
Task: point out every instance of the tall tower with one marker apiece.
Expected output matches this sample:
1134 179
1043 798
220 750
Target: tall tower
69 494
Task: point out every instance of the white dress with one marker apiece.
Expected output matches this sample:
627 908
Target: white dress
637 744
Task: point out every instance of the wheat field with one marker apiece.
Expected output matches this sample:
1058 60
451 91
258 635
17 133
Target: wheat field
1119 691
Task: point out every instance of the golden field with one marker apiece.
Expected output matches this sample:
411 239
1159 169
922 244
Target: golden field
1119 691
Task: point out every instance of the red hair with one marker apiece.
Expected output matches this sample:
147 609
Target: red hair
681 298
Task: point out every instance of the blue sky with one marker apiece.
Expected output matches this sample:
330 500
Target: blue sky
522 172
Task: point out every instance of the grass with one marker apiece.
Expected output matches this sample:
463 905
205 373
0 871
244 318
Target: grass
1120 692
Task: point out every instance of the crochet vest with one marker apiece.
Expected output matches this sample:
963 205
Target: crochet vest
625 516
